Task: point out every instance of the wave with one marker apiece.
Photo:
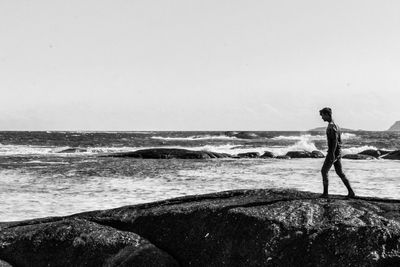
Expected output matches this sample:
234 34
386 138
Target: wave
356 150
311 137
196 137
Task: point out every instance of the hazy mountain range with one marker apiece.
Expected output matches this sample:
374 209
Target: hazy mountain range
394 128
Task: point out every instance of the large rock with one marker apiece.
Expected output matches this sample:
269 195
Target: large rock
76 242
169 153
260 228
392 155
374 152
249 155
305 154
268 154
357 156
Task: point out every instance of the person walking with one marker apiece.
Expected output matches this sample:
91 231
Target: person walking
333 156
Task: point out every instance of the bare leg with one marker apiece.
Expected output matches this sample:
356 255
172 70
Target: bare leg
339 171
324 171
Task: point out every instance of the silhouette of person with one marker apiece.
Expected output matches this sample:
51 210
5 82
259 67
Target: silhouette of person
333 156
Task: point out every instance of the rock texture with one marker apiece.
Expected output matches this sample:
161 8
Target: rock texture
357 156
395 127
374 153
235 228
77 242
268 154
169 153
305 154
392 155
249 155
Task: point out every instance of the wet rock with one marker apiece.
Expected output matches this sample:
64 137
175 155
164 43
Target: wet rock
266 228
317 154
77 242
305 154
357 156
249 155
283 157
374 152
268 154
168 153
392 155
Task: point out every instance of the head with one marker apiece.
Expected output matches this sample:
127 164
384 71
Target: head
326 114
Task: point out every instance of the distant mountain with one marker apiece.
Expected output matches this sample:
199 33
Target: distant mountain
323 129
395 127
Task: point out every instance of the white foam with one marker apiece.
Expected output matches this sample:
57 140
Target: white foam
356 150
196 137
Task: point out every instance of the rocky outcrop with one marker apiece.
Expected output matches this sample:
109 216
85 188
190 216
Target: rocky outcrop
241 228
374 152
249 155
268 154
357 156
392 155
395 127
169 153
77 242
305 154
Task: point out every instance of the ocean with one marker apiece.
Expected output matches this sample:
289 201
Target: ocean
60 173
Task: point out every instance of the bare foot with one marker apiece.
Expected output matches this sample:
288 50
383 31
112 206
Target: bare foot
351 195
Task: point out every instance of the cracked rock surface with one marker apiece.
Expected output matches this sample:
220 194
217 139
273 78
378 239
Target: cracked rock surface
233 228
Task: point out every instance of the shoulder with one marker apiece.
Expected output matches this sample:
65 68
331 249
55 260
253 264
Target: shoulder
332 129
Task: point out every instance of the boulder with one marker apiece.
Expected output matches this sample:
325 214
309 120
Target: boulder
283 157
305 154
77 242
268 154
357 156
374 152
266 228
4 264
168 153
249 155
392 155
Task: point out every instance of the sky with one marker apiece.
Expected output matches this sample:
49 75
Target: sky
198 65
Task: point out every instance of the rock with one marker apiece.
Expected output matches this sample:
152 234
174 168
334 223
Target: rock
283 157
317 154
375 152
77 242
249 155
73 150
357 156
268 154
392 155
168 153
395 127
305 154
266 228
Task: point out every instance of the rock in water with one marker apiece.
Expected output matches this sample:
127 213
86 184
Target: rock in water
168 153
357 156
246 135
250 228
305 154
268 154
393 155
77 242
249 155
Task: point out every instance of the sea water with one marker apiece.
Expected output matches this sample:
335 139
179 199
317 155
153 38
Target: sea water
41 176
